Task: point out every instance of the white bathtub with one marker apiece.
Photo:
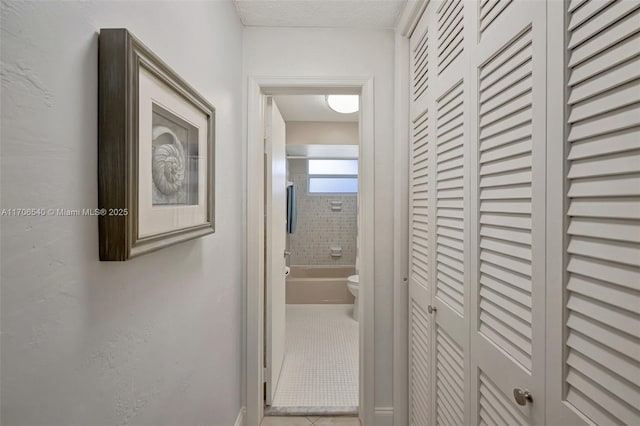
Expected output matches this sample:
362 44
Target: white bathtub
319 284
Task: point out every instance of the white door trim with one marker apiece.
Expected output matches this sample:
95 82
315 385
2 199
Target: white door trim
254 345
401 236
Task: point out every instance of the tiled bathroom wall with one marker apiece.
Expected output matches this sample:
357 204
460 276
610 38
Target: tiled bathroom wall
319 228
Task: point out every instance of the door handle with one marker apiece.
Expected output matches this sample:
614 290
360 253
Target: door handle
287 253
431 309
522 396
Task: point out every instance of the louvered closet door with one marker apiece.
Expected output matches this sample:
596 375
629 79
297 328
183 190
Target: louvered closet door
507 319
450 190
441 177
602 288
420 220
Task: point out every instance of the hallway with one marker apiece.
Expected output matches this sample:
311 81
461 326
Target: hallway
499 149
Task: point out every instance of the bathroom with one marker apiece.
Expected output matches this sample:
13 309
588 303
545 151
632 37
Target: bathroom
320 369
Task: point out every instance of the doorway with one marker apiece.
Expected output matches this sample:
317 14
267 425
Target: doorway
311 321
256 308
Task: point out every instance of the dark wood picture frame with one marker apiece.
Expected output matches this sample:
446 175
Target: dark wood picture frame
120 59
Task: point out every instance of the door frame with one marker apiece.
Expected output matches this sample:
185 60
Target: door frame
257 89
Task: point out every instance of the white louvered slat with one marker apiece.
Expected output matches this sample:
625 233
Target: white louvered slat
420 65
518 88
603 269
607 336
592 200
495 291
617 52
625 95
505 194
588 10
612 229
449 380
521 146
450 32
582 345
449 198
604 249
610 143
601 26
419 194
602 83
615 55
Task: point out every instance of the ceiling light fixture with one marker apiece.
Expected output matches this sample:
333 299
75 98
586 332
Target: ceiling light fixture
344 104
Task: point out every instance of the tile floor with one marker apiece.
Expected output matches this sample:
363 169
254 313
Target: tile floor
320 367
307 421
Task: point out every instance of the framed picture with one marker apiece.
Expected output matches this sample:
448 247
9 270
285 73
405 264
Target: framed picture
155 152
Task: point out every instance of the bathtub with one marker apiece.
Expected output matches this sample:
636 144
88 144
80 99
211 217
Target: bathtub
319 284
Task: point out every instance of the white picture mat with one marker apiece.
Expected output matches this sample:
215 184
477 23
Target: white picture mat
153 220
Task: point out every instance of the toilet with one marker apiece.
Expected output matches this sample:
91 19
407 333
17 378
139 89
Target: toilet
353 283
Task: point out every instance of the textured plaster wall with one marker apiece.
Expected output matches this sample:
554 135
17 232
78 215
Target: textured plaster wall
336 53
152 341
319 228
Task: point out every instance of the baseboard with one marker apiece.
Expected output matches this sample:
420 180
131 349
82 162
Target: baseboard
383 416
240 418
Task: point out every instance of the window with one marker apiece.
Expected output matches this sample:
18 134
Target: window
333 176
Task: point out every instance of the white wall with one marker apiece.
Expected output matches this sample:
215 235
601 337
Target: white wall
322 133
338 53
152 341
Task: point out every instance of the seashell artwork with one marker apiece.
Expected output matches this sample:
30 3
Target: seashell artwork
168 162
156 151
174 159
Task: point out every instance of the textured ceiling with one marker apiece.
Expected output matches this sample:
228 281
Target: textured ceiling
320 13
309 108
